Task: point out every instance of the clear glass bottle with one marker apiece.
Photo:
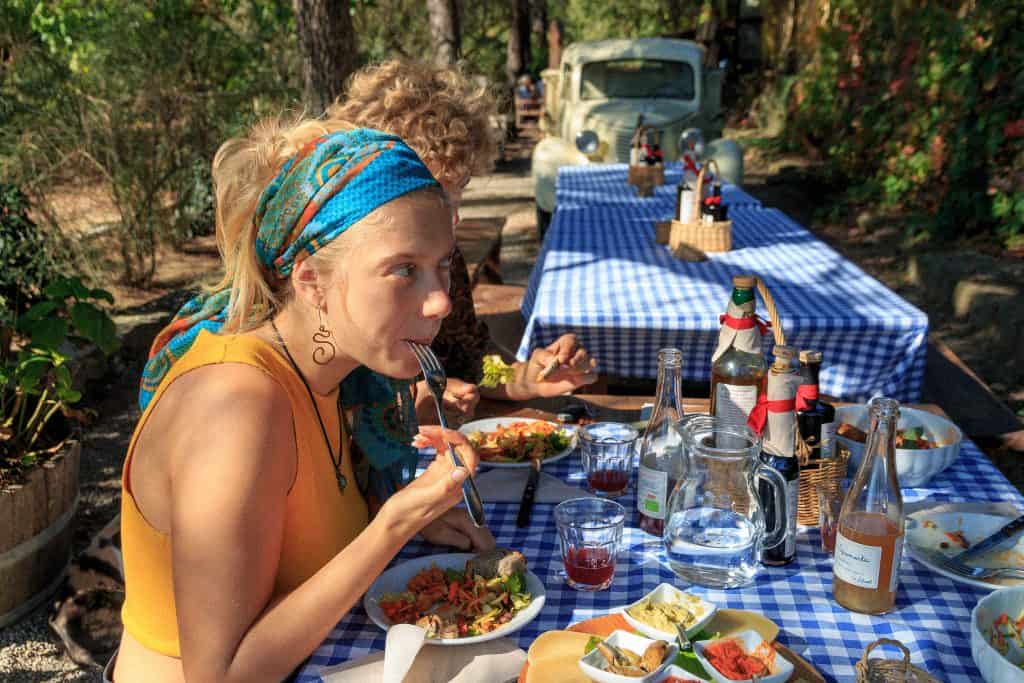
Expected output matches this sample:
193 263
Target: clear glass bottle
738 367
869 539
661 449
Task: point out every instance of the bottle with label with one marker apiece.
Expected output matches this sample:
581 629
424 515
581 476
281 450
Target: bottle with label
815 418
684 201
869 539
712 209
661 449
738 366
774 418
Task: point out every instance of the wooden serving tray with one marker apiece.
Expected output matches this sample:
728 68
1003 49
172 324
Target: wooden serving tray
803 671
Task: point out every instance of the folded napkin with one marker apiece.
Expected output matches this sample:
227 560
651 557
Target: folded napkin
506 486
407 660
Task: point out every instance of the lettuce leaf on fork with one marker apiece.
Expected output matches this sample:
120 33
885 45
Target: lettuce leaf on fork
496 371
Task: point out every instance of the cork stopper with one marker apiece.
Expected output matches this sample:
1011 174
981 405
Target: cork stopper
743 281
809 356
784 356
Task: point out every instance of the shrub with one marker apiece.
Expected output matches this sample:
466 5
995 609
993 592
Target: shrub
921 107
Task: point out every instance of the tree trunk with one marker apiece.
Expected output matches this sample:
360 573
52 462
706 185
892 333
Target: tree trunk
445 35
518 41
675 16
328 45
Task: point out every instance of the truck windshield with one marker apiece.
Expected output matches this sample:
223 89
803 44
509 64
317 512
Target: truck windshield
637 78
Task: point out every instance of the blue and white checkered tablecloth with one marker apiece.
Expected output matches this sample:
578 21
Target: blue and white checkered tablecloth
601 275
932 617
595 184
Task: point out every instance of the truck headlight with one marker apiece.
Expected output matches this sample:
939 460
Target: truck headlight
587 142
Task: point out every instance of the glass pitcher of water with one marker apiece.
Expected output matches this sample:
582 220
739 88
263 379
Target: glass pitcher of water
715 527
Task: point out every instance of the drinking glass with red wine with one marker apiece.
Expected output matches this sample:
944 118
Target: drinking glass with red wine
589 532
607 452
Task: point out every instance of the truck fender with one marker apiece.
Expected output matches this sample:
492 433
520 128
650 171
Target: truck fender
549 154
729 156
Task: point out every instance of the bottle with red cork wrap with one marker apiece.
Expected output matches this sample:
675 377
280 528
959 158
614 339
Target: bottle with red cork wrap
775 420
738 366
815 418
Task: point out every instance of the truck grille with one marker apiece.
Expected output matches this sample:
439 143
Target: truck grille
620 148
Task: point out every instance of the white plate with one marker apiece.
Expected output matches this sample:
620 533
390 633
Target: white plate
491 423
975 526
666 592
396 579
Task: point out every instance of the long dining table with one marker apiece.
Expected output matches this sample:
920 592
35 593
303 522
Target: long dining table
601 274
932 615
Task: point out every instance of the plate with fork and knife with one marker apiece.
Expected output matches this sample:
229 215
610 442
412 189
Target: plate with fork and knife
977 544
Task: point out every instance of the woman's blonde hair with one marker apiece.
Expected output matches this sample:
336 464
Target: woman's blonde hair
438 111
242 168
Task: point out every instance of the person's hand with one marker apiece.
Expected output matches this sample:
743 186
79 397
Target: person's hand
458 402
456 529
435 491
432 436
574 368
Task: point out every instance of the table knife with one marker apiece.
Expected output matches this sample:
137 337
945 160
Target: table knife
1010 531
526 504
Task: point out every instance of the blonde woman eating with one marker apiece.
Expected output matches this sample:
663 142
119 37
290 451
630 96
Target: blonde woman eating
245 537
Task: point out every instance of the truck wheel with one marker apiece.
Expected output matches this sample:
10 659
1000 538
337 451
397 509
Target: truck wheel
543 221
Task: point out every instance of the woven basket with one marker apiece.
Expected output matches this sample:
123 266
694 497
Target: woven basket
662 230
828 473
646 178
690 241
890 670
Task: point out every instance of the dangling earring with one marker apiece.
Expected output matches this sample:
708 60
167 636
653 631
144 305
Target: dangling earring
323 341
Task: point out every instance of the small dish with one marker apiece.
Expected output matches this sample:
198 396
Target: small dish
675 674
782 668
996 667
915 467
592 662
666 592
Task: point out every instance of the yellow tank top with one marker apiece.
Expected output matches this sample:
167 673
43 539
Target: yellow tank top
320 520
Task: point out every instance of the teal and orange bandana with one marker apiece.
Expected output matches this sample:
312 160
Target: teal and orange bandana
328 186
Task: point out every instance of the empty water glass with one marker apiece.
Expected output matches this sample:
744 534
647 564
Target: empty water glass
589 531
607 452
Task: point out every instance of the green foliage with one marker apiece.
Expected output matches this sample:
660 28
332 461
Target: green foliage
921 107
24 261
69 308
137 96
36 384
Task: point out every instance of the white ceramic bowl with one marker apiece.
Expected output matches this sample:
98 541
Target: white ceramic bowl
666 592
782 668
592 662
680 673
914 466
995 667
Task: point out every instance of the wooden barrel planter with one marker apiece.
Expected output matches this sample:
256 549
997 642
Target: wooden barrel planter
36 525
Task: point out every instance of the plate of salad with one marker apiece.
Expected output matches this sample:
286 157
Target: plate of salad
516 441
459 598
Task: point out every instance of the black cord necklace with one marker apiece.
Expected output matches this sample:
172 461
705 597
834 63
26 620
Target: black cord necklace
342 481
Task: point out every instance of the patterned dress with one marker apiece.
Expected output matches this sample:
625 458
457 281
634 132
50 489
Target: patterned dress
463 339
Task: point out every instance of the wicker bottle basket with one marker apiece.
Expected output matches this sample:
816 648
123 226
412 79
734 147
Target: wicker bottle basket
890 670
689 241
646 178
827 473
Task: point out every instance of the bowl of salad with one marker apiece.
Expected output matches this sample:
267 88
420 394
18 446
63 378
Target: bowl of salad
997 636
926 443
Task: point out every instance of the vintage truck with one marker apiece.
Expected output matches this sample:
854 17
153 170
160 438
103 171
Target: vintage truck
601 87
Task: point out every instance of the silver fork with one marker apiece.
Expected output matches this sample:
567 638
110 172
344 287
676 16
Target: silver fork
956 566
436 382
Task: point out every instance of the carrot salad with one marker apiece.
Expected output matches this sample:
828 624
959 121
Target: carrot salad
520 441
